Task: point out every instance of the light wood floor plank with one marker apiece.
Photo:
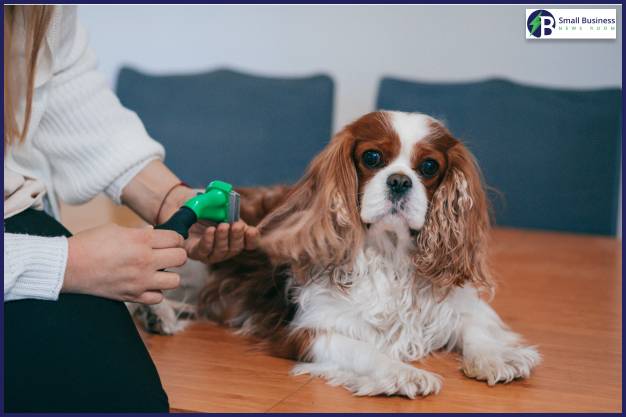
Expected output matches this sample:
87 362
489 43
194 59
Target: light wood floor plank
207 369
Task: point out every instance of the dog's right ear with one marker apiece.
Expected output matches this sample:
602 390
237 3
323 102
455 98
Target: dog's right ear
318 226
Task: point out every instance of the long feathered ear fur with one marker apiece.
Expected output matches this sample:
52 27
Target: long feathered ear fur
452 245
318 226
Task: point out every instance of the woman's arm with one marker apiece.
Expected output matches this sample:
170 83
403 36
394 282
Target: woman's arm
85 133
109 261
145 192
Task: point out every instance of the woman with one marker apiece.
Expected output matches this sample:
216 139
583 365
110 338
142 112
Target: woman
70 344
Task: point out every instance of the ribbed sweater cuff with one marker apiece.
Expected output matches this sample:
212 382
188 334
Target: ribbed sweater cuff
34 265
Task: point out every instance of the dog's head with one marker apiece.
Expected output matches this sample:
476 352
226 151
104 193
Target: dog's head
387 167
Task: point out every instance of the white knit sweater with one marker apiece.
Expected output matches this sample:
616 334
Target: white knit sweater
81 142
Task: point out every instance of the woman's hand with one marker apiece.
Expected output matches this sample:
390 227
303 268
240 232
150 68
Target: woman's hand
212 244
208 242
123 263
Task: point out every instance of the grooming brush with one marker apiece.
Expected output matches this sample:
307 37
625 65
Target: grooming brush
219 203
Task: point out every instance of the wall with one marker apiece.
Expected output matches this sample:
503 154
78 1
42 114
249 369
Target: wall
355 44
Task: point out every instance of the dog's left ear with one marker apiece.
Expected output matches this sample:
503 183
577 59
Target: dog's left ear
452 245
318 226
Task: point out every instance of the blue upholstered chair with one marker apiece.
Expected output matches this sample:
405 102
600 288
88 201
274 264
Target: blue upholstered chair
553 155
227 125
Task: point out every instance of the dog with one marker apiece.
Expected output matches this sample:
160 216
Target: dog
374 259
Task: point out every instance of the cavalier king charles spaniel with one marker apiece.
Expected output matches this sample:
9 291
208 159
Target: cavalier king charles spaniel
373 260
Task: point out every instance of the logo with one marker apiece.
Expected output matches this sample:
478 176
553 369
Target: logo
540 23
548 24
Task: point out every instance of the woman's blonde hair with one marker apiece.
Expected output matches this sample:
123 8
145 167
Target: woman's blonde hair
35 20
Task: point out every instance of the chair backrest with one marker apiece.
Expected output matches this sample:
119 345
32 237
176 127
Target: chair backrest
553 155
239 128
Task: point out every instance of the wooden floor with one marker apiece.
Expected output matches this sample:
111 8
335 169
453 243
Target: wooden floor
562 292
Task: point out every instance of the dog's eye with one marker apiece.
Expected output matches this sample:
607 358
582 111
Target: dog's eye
372 158
428 168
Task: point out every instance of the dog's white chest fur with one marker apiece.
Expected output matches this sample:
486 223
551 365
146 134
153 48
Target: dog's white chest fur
383 302
386 316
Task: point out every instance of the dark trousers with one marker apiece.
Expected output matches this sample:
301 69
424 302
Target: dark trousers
80 353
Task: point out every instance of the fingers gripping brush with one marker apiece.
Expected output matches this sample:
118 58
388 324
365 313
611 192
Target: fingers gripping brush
219 203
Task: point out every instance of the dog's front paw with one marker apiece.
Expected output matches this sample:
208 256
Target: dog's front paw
501 365
160 318
411 381
399 379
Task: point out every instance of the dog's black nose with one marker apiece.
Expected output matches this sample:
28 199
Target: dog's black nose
399 184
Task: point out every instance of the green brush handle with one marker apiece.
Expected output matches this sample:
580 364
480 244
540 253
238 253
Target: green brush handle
212 205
